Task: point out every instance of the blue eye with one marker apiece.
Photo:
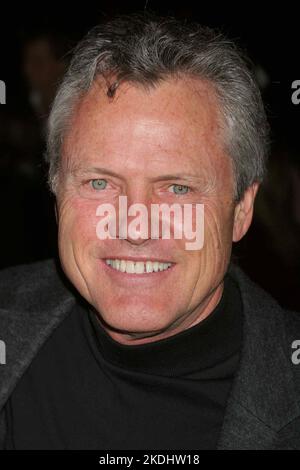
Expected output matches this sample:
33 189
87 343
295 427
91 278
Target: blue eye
99 184
179 189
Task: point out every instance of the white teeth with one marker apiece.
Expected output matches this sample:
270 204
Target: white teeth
149 267
123 266
130 267
137 267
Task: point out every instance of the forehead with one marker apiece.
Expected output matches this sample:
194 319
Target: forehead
176 123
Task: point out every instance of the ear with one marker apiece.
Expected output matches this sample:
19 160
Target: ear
243 213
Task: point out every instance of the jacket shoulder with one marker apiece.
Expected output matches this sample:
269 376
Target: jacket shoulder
31 285
34 300
292 329
292 321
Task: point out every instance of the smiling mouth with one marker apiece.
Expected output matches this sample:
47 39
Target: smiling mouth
137 267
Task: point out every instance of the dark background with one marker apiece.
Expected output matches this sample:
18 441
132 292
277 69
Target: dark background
270 252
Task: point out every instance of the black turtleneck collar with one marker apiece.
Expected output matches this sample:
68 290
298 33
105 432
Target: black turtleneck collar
205 345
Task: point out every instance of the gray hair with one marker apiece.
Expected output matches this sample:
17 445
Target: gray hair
145 49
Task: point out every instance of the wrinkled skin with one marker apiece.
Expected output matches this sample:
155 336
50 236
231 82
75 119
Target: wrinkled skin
143 143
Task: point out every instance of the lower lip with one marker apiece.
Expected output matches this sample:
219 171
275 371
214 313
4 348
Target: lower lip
153 277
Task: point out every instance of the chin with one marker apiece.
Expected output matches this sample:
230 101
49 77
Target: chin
135 319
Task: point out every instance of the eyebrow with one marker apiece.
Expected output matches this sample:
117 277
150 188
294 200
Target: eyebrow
83 171
177 176
104 171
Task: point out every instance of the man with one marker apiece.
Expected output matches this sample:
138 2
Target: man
144 343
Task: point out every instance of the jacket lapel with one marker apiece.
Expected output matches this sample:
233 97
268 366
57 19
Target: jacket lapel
262 399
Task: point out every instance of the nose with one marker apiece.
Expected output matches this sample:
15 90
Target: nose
135 217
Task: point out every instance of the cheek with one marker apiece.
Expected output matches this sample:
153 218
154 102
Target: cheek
77 223
207 267
218 235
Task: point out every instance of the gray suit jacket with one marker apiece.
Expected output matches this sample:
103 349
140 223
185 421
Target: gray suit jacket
263 410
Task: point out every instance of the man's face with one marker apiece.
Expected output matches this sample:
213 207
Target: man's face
143 144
